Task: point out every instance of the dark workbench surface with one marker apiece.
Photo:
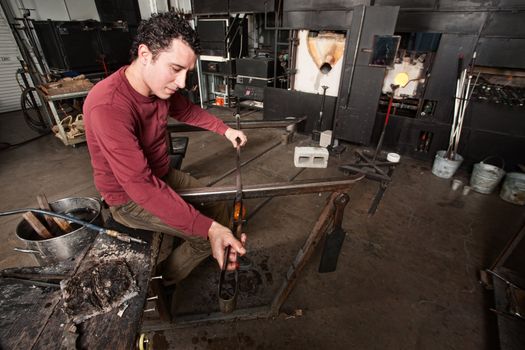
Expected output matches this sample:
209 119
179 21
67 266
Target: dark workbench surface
32 314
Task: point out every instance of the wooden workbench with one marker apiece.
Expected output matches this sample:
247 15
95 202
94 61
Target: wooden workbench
32 314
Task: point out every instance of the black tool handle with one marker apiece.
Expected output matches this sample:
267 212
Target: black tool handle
340 204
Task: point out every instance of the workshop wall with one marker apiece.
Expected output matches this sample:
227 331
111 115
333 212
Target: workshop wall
58 10
495 32
81 10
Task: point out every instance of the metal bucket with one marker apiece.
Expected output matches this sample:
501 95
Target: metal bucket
52 250
513 189
444 167
485 177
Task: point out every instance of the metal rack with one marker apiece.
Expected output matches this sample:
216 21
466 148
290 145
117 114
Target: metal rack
50 100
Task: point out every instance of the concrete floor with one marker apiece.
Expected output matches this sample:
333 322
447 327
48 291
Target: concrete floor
407 277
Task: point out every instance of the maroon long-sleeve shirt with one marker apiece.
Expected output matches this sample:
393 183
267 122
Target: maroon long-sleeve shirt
126 137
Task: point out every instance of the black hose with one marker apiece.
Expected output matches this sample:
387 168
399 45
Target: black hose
51 213
27 100
7 145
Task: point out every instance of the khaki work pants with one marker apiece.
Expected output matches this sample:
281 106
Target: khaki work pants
194 250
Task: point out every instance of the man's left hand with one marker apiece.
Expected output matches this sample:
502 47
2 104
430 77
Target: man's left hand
233 134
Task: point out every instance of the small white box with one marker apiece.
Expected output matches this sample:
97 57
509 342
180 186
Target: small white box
311 157
326 138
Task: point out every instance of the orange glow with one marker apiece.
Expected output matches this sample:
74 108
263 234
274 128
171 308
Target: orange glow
237 210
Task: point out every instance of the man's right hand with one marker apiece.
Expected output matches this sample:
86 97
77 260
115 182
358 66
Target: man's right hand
221 237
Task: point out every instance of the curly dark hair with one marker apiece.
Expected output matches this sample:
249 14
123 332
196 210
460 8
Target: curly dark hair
158 32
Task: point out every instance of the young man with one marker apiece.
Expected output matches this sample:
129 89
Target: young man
126 119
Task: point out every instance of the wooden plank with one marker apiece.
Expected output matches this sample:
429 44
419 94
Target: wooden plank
64 87
39 228
62 225
53 227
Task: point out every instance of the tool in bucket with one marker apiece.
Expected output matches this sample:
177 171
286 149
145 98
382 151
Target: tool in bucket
334 240
112 233
228 288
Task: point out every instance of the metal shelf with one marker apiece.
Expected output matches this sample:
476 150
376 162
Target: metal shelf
50 99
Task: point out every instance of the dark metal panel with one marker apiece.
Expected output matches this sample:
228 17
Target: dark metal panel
252 6
484 143
409 137
480 4
282 103
114 10
355 120
309 5
47 32
116 44
220 68
442 83
496 118
508 24
501 52
448 5
212 31
317 19
395 127
440 22
255 67
412 4
505 4
377 21
209 7
462 4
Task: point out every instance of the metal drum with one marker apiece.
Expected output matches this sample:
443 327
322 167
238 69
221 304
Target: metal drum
69 245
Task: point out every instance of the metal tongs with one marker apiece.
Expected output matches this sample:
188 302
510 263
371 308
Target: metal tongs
228 280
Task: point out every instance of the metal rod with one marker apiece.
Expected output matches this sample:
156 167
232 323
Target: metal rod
383 131
187 320
11 273
248 124
36 283
320 120
275 55
509 248
232 170
287 286
212 194
228 301
267 200
509 283
304 255
371 175
354 62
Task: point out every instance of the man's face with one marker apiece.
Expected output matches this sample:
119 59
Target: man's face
167 72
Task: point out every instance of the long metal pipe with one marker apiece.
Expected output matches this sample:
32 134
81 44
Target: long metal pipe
212 194
356 52
267 200
248 124
232 170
